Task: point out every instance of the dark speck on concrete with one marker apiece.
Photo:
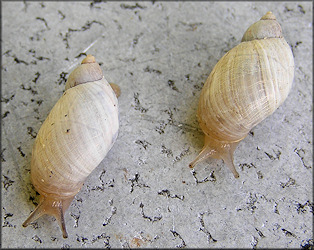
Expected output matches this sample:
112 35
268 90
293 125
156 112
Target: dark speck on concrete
301 9
21 152
152 219
176 234
7 182
143 143
166 151
34 92
288 233
138 105
204 229
20 61
287 9
83 240
62 78
94 3
276 157
211 177
43 20
136 183
247 165
37 74
61 15
36 238
132 7
6 100
260 233
2 157
5 114
31 132
172 85
166 192
81 54
150 70
307 244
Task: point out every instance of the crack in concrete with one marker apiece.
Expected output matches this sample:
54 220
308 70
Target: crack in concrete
176 234
76 218
204 229
180 125
138 105
104 237
152 219
166 151
7 182
260 233
86 26
143 143
166 192
135 183
289 183
254 242
37 239
83 240
132 7
103 185
113 211
276 157
211 177
302 208
301 152
7 215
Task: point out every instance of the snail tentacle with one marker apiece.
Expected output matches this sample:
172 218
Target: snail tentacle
116 89
218 150
51 206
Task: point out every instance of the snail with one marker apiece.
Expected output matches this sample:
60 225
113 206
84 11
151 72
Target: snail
246 85
75 137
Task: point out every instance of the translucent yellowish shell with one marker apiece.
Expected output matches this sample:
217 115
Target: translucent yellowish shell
247 84
76 136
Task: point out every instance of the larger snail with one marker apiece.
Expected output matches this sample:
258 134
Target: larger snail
75 137
246 85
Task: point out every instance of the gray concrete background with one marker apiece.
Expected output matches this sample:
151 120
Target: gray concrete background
143 194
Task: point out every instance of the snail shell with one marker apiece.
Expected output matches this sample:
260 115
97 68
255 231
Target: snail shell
246 85
75 137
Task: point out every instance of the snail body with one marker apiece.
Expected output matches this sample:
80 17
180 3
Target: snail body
246 85
75 137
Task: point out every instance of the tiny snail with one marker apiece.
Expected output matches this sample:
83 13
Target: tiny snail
246 85
75 137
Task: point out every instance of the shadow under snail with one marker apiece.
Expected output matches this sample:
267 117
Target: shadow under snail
246 85
75 137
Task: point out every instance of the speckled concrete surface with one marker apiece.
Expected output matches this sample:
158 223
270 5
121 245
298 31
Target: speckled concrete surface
144 194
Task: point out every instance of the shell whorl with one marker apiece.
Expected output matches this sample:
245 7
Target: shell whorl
75 137
266 27
246 85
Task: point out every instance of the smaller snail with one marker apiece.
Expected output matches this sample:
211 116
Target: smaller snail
76 136
246 85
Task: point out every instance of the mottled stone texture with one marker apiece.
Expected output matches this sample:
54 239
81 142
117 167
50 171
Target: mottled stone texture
144 194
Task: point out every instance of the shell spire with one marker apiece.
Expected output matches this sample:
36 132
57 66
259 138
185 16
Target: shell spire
266 27
88 71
